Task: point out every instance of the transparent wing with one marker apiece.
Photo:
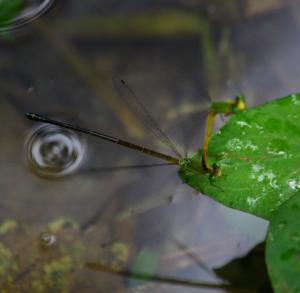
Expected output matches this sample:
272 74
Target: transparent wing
135 104
189 119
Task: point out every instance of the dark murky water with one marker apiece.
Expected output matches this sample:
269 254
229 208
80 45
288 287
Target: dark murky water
64 208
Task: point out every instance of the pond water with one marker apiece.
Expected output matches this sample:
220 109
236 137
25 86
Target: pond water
79 214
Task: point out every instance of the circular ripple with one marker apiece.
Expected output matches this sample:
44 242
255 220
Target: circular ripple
53 151
32 9
47 239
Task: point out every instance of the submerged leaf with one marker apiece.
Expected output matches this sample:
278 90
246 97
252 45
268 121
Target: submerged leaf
258 153
243 272
146 261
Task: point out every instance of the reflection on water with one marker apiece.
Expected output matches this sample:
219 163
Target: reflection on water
168 55
47 239
53 151
22 12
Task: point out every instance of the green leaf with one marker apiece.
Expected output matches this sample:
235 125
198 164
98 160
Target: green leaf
9 9
258 153
283 247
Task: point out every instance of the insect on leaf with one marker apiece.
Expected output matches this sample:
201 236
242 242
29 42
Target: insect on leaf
258 153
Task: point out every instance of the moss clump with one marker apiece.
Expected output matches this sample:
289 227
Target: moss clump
58 274
8 226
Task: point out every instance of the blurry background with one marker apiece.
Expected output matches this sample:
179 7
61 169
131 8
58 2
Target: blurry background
171 53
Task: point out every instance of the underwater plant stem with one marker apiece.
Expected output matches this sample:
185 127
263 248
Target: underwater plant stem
91 77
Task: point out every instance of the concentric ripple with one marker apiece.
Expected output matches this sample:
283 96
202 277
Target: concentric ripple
54 152
17 13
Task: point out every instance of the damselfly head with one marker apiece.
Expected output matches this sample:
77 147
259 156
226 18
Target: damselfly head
240 104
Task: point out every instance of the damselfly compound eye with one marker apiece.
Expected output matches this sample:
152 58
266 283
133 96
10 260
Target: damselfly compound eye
53 151
16 13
